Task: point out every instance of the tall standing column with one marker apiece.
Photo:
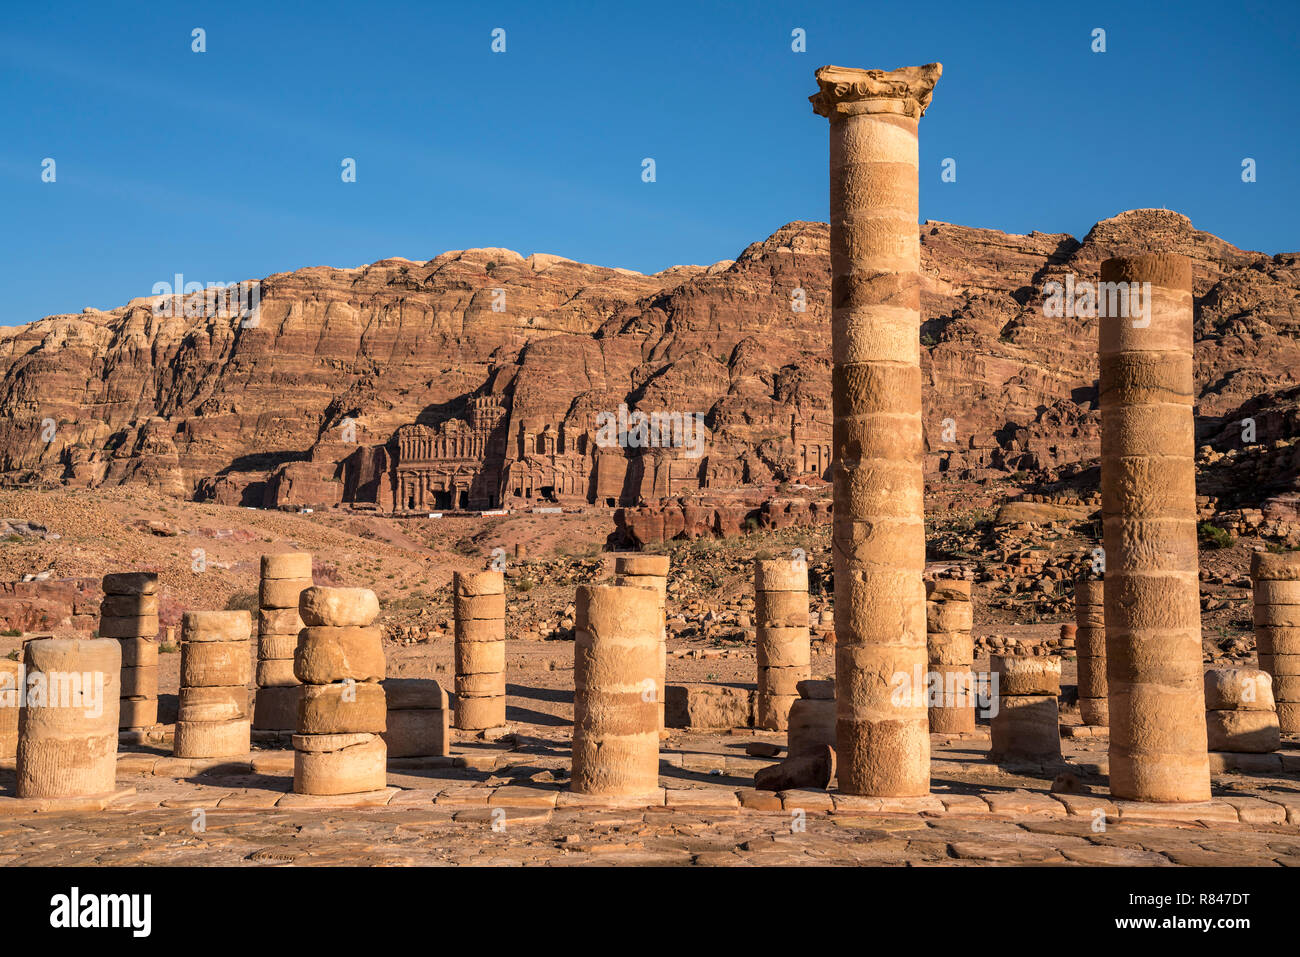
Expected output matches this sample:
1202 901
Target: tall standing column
1148 494
882 737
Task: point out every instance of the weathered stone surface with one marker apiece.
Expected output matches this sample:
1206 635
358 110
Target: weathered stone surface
291 565
212 739
216 626
1025 728
813 769
337 607
348 770
131 583
343 708
413 693
708 706
282 593
214 664
197 705
1238 689
326 654
1027 675
418 731
276 708
616 661
67 739
1148 490
1250 732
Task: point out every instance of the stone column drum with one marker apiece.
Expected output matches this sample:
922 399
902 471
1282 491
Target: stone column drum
480 614
650 571
1090 650
1027 724
878 536
1276 580
284 576
67 734
782 640
342 707
1240 714
129 613
615 711
1148 492
949 618
212 713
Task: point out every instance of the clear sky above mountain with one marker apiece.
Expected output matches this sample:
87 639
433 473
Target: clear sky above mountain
226 165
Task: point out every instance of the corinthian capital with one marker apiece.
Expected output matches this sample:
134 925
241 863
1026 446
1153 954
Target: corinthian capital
844 90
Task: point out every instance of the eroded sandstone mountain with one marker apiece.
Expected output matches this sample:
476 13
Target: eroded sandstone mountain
483 379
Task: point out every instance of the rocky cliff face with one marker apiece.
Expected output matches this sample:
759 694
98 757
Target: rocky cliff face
304 406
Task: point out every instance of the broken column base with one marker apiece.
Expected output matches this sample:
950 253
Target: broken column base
1243 732
339 763
1026 728
814 769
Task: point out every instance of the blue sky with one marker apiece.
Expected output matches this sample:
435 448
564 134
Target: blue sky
225 165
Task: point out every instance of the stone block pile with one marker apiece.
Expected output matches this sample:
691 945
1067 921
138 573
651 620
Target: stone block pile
782 640
129 614
949 618
342 709
1090 650
212 718
1276 580
284 576
480 616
